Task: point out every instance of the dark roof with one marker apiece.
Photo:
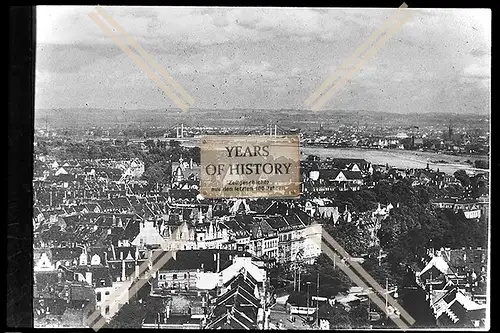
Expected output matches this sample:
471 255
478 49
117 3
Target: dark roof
82 293
233 317
474 258
238 296
246 282
193 259
276 222
352 174
63 253
329 174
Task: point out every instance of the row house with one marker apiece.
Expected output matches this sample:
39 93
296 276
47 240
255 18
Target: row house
290 236
210 234
278 237
105 270
348 164
327 180
254 234
472 209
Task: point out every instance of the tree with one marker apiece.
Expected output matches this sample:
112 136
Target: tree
353 239
298 298
157 173
481 164
379 272
462 176
358 316
174 144
339 318
194 153
94 151
130 315
332 280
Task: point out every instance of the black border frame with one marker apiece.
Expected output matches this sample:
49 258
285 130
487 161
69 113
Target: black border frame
22 46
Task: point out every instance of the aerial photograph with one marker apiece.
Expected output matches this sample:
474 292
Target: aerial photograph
262 168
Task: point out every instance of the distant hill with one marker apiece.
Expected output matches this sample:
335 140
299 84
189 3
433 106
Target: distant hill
61 118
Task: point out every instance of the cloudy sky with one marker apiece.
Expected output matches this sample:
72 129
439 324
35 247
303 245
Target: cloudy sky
268 58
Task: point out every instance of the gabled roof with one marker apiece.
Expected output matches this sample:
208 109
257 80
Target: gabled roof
439 263
239 296
353 175
148 235
233 318
246 281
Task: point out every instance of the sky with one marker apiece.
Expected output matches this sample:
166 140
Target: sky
266 58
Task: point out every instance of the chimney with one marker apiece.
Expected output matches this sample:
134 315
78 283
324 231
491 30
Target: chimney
123 268
114 253
88 277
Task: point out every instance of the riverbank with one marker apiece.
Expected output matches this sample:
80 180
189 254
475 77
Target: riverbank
397 158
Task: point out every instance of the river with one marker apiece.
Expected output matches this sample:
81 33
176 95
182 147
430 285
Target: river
394 157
